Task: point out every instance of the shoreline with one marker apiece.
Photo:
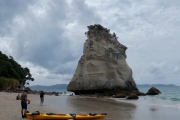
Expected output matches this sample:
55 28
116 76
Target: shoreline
65 104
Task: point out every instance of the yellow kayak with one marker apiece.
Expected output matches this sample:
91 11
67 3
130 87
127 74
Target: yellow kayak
52 116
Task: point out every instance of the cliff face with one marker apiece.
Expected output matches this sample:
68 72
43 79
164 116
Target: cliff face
103 65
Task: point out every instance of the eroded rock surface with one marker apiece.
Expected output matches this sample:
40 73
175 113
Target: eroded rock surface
153 91
102 67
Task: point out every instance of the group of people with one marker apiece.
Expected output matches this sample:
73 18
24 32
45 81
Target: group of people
25 101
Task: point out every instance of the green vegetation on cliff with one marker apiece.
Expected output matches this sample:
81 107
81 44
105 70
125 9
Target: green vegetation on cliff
12 74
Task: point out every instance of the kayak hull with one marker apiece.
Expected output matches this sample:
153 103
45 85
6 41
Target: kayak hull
45 116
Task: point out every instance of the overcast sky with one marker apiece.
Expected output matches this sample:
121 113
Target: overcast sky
47 36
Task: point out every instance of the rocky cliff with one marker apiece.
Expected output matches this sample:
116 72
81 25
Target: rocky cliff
102 67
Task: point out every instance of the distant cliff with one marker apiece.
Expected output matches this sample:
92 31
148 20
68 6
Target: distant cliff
102 67
156 85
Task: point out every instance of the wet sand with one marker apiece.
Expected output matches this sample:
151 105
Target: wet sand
116 110
78 104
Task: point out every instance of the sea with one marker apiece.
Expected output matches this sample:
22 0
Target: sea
60 91
169 97
165 106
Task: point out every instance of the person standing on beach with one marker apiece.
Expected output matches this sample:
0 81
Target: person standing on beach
24 100
41 98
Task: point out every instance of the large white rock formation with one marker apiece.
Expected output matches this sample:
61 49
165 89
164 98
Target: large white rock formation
102 67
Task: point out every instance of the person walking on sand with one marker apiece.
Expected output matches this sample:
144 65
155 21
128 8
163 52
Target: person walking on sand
41 97
24 100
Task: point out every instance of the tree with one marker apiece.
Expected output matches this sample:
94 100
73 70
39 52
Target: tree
9 68
27 76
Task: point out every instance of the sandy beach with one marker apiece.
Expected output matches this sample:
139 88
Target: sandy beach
10 108
116 110
61 104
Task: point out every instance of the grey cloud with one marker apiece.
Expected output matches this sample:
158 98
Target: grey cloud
43 41
167 3
50 34
8 10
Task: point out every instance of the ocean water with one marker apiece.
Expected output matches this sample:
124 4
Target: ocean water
56 90
167 93
61 91
169 98
165 106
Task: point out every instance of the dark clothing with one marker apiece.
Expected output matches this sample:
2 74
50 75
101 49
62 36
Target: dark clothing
24 105
41 94
42 97
23 101
23 96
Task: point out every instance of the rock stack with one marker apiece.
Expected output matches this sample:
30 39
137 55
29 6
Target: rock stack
102 68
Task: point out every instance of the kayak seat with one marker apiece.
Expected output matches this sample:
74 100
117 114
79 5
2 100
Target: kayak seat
73 115
35 113
92 114
50 113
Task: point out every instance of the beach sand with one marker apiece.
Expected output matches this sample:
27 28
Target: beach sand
116 110
10 108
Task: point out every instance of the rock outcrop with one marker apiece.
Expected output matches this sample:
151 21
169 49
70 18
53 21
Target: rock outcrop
120 96
132 96
153 91
102 67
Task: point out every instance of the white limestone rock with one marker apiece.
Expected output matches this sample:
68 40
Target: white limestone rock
103 64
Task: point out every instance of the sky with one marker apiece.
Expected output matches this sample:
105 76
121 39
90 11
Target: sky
47 36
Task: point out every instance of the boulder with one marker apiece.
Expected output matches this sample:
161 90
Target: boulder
141 94
132 96
120 96
102 68
153 91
